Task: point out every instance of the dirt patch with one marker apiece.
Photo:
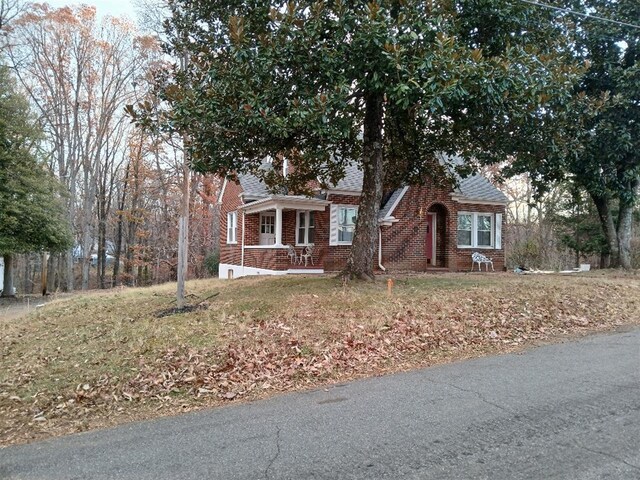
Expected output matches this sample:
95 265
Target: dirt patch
102 359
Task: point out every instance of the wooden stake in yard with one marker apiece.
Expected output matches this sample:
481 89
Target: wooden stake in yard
390 286
45 259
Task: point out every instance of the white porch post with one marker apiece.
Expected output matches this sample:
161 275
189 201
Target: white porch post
278 226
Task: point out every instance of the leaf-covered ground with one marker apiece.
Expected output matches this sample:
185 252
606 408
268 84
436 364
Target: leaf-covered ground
105 358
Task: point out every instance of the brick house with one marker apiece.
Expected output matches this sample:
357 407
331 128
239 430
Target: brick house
421 227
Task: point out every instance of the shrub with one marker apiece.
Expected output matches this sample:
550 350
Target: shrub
212 263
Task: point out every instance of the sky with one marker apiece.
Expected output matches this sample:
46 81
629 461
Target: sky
104 7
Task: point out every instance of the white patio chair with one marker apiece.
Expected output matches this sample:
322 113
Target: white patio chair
307 254
293 256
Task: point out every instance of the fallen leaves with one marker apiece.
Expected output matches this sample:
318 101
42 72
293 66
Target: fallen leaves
321 339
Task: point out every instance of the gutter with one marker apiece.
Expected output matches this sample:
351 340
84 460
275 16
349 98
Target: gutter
380 250
242 248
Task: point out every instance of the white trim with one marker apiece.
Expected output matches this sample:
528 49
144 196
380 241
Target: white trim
285 201
395 204
307 227
224 186
498 232
337 226
266 247
434 226
234 215
477 201
240 271
474 230
346 193
267 213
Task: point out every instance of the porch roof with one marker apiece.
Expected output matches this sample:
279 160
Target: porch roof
285 202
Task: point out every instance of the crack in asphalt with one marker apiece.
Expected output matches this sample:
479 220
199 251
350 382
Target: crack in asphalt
473 392
275 457
605 454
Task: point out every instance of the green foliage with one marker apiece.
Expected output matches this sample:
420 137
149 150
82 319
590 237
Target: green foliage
290 80
32 216
578 225
212 263
594 140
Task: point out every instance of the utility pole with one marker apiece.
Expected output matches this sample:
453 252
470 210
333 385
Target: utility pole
183 229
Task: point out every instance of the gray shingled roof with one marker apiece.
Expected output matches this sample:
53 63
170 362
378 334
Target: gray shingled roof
352 180
477 187
384 211
252 185
474 187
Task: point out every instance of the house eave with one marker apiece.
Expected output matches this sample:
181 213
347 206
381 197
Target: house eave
285 202
478 201
351 193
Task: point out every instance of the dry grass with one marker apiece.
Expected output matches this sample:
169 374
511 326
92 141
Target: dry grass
105 358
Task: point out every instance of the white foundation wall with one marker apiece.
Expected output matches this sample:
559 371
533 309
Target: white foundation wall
228 271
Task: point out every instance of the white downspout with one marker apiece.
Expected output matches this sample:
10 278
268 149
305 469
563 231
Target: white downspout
380 250
242 250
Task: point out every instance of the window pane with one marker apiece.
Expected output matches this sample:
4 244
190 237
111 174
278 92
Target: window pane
484 222
311 220
301 219
464 237
300 236
464 222
345 234
312 236
484 239
347 217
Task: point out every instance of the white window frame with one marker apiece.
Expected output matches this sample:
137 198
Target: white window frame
308 214
350 207
232 227
474 230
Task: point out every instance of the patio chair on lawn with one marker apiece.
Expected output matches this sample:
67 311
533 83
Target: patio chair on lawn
293 256
307 254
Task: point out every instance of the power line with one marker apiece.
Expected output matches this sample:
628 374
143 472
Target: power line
585 15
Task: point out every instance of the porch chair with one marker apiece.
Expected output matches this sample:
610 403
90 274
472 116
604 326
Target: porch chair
307 254
293 256
477 257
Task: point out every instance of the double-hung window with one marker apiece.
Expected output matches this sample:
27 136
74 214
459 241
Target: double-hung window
305 229
347 217
475 230
231 227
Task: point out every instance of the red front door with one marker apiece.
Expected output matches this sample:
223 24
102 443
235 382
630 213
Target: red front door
429 240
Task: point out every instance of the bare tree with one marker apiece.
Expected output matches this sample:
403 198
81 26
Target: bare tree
79 74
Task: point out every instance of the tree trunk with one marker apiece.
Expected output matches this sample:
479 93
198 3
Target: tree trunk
360 260
8 276
625 224
609 259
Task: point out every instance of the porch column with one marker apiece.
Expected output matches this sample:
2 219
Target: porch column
279 226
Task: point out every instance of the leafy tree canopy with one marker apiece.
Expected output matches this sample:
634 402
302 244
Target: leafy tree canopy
387 84
31 213
594 140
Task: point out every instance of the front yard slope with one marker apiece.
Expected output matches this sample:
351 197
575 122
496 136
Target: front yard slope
105 358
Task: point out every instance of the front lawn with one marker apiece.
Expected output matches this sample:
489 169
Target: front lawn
109 357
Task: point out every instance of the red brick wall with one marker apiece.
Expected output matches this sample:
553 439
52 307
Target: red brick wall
463 255
230 254
403 244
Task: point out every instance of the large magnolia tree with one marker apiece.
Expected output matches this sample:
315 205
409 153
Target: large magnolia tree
594 140
384 84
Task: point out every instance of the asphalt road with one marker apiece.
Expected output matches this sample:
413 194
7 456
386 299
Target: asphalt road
564 411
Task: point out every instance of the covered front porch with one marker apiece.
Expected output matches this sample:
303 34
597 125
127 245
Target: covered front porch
280 234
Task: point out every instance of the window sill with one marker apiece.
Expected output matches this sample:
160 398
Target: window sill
232 243
467 247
